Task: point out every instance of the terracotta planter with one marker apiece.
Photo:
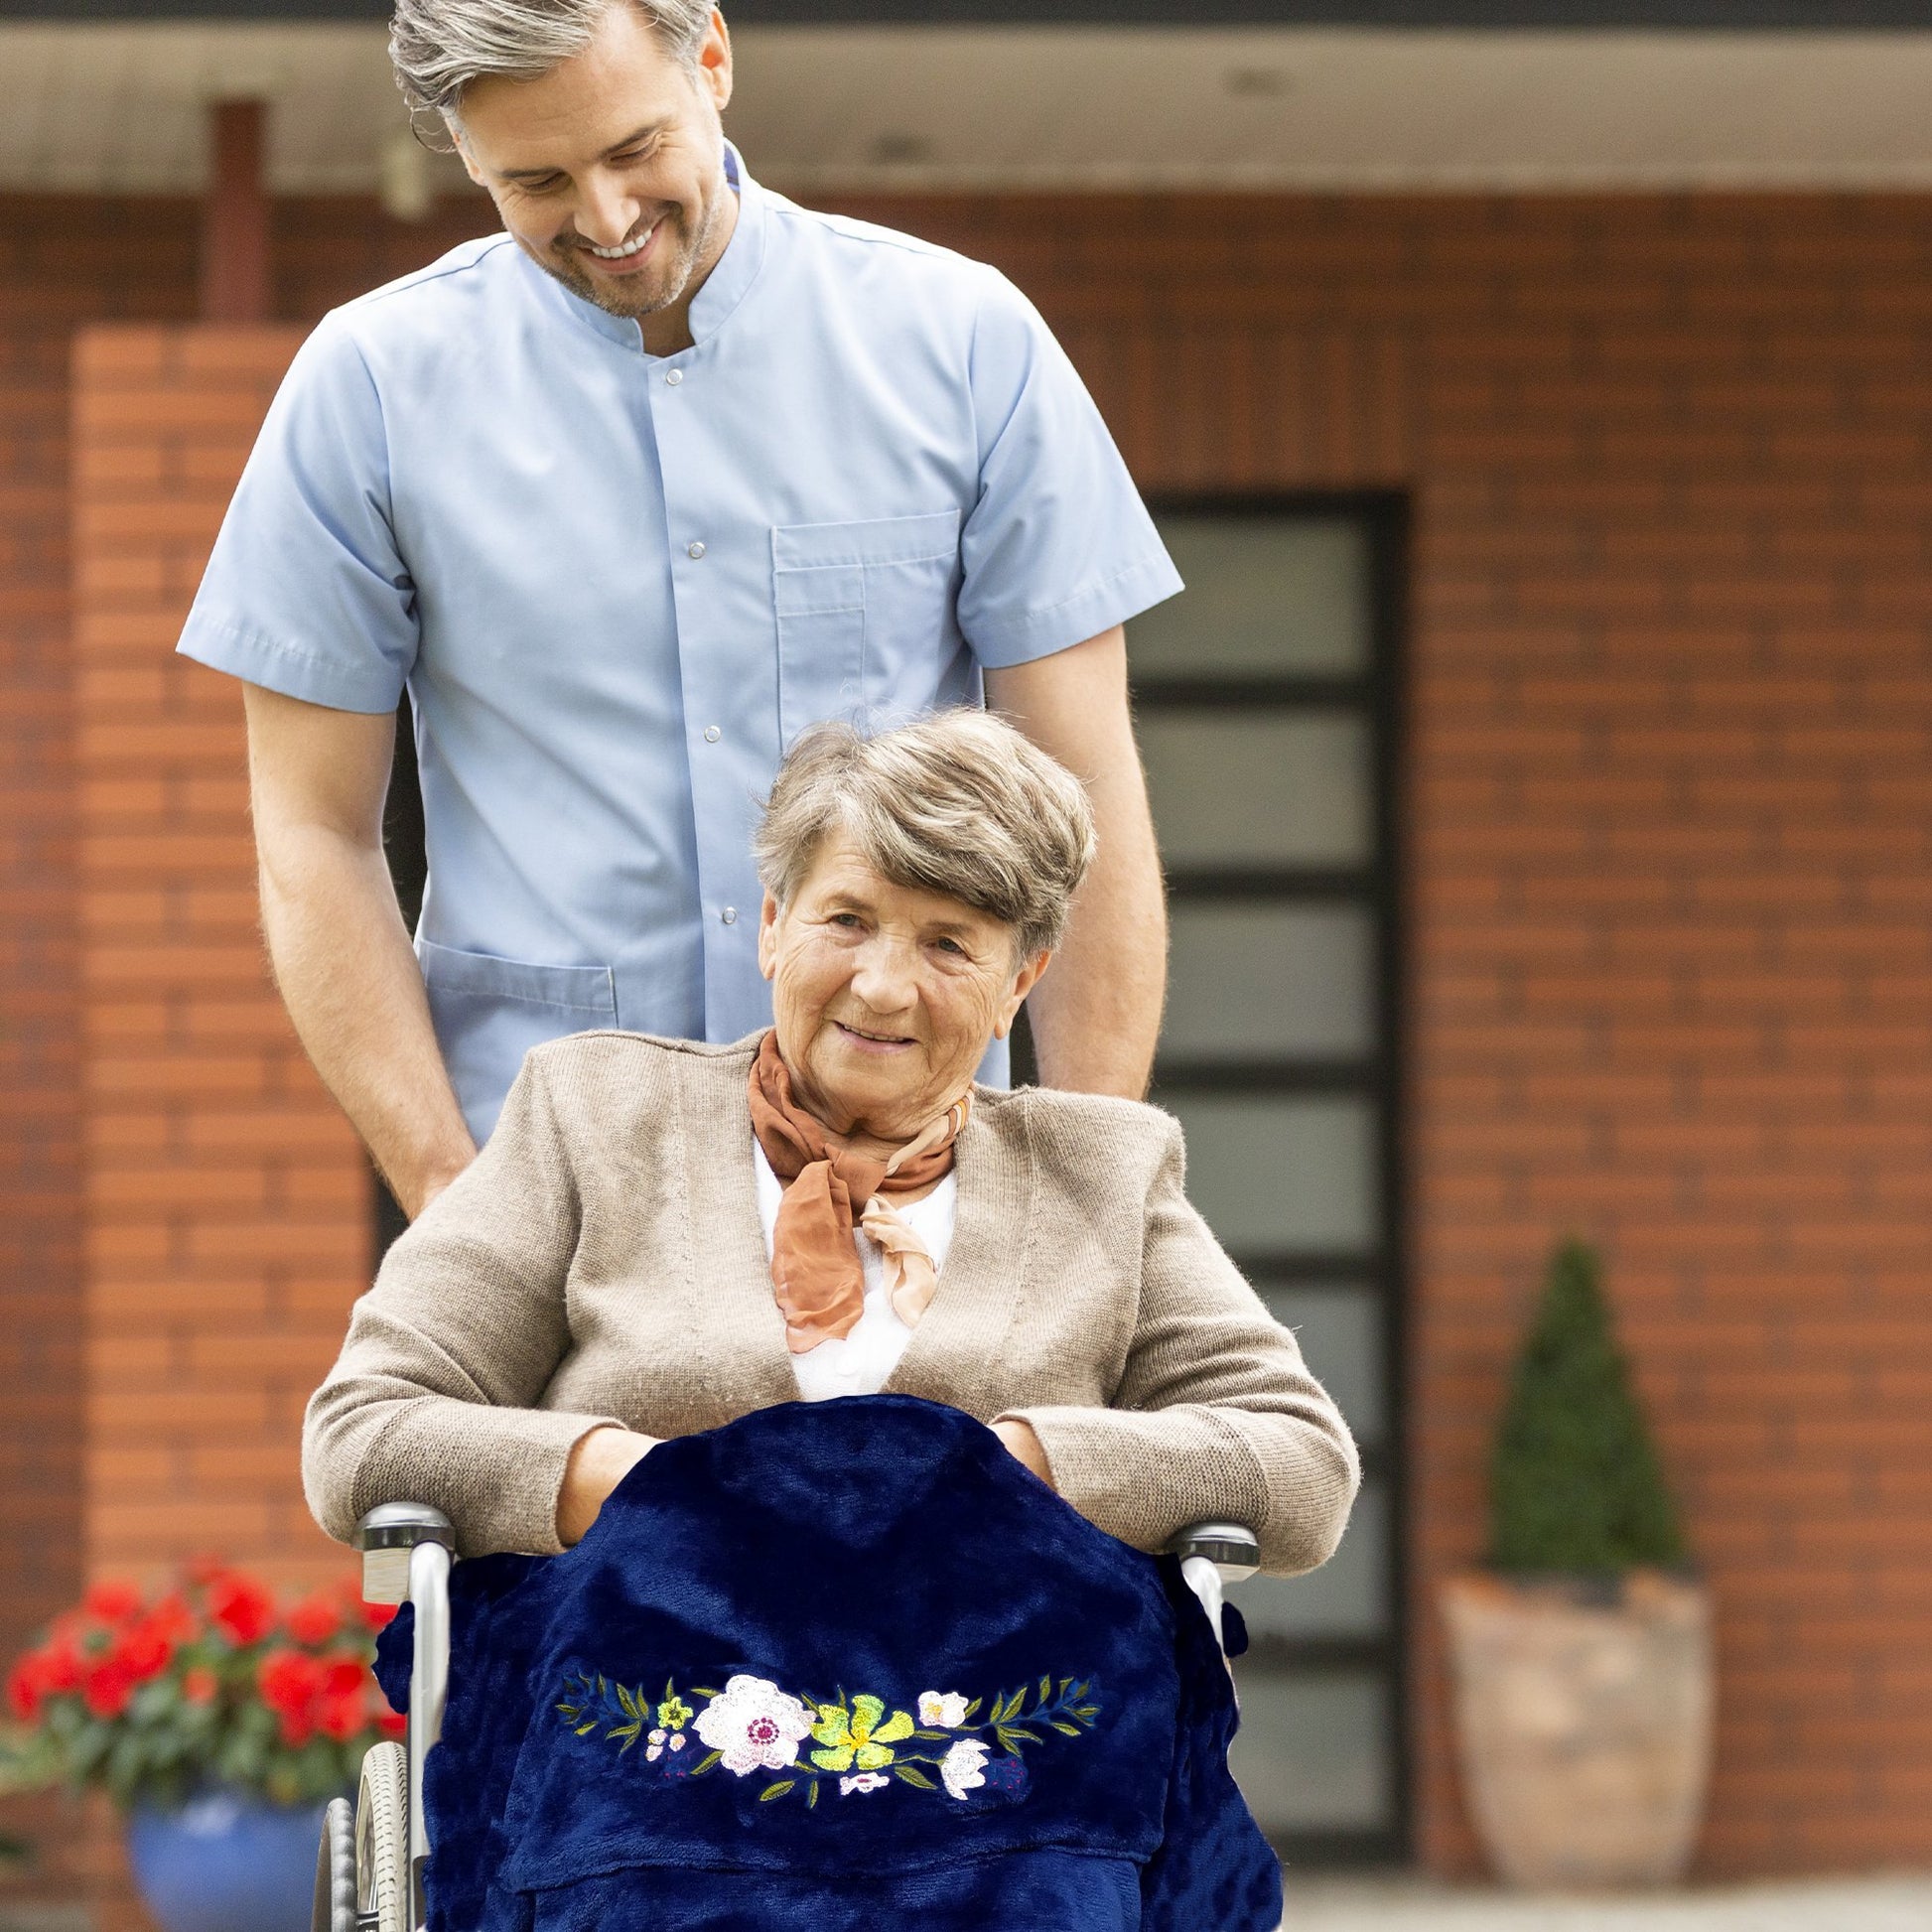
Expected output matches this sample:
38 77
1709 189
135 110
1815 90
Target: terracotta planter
1582 1720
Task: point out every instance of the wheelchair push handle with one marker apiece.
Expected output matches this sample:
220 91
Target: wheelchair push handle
386 1536
1233 1550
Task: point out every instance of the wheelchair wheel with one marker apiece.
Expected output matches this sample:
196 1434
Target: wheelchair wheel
382 1839
335 1871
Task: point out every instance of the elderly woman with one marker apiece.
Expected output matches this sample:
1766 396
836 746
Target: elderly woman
663 1236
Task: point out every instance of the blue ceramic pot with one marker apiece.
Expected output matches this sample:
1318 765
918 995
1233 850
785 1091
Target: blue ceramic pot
226 1862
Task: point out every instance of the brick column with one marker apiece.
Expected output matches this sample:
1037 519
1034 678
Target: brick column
226 1201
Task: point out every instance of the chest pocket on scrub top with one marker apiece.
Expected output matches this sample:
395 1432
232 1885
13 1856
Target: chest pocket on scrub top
863 609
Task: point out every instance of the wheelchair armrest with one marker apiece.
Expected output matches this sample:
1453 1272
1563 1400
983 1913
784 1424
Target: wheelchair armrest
386 1536
1233 1550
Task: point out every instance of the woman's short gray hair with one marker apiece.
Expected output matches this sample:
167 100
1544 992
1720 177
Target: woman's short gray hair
958 803
439 46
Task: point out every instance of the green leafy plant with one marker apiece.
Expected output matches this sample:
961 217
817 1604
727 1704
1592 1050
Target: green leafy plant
1576 1484
210 1682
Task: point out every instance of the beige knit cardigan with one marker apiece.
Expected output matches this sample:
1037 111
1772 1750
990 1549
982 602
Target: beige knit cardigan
603 1261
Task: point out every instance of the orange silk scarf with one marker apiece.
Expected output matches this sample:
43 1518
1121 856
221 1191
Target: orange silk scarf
817 1273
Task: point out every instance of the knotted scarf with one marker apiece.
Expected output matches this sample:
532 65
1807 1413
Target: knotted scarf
817 1273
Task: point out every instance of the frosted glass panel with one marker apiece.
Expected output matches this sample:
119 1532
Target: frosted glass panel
1284 788
1263 599
1274 1173
1347 1596
1341 1333
1248 982
1311 1753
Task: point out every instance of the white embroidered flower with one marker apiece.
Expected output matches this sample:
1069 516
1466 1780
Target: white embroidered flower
752 1722
943 1708
963 1768
677 1742
654 1746
864 1781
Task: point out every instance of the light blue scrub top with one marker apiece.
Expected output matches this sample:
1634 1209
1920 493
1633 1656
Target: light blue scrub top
618 585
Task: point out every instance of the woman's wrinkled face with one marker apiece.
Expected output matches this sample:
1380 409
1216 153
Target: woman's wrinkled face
885 997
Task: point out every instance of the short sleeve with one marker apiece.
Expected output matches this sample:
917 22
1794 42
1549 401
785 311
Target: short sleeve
306 591
1058 546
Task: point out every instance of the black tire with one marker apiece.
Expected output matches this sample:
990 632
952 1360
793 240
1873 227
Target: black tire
336 1870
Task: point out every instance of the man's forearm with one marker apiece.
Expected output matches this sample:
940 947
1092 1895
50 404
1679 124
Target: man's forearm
1096 1014
350 979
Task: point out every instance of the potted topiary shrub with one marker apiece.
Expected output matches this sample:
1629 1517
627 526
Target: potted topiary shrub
221 1721
1580 1656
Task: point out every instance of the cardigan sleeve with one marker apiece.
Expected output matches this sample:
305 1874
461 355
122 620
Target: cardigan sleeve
433 1399
1215 1417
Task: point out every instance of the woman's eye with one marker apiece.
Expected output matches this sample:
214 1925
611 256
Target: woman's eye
954 947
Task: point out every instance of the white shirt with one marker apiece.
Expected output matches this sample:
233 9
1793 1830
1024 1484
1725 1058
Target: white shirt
860 1362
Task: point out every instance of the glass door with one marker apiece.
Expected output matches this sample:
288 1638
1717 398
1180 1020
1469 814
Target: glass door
1265 699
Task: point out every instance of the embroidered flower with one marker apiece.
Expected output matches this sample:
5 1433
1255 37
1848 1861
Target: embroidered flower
752 1722
654 1744
858 1736
674 1713
963 1768
946 1709
864 1781
677 1742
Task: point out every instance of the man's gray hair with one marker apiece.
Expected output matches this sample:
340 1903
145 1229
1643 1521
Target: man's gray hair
439 46
959 804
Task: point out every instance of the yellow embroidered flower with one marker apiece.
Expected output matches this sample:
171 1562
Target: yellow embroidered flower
857 1736
673 1714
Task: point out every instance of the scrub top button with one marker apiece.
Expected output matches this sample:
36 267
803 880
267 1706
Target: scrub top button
712 733
729 915
674 378
694 551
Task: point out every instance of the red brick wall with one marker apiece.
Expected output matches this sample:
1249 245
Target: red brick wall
1671 851
1671 696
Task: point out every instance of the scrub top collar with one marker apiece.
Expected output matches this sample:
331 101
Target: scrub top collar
724 288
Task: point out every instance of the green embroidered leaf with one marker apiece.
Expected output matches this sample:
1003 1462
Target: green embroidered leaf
626 1730
777 1790
913 1776
702 1691
931 1736
602 1687
627 1741
1047 1690
1087 1711
627 1700
584 1730
1066 1731
974 1706
1079 1690
1064 1681
671 1689
705 1763
569 1710
812 1796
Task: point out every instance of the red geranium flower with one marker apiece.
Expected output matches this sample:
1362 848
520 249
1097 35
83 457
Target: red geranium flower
26 1688
242 1606
109 1686
314 1620
199 1685
340 1718
112 1602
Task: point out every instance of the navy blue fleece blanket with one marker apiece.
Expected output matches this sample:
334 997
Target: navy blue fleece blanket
838 1665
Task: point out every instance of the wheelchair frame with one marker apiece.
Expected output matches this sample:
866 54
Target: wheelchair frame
407 1550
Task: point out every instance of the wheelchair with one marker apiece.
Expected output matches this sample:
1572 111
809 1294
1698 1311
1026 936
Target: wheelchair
370 1867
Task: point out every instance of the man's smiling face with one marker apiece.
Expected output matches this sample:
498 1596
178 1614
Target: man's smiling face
610 170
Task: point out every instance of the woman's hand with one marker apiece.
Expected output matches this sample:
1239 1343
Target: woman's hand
598 1462
1025 1447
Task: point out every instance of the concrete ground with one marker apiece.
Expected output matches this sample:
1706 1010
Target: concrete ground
1900 1905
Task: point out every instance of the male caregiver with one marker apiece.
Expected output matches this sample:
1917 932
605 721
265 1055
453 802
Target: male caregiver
625 496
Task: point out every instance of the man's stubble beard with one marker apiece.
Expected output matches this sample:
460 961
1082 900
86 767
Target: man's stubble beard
661 288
